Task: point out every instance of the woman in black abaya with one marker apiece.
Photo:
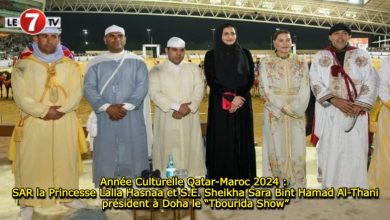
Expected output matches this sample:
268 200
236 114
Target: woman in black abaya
229 70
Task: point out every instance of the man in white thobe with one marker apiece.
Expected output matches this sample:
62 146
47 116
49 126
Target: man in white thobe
345 85
177 89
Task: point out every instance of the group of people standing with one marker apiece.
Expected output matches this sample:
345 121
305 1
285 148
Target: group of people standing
48 88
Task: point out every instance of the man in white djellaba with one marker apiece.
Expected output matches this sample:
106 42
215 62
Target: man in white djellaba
177 89
346 86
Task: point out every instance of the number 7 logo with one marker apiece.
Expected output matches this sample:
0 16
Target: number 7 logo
34 17
32 21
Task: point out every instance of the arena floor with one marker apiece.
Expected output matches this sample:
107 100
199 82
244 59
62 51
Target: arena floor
305 209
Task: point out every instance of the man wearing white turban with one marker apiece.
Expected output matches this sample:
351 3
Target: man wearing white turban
116 84
47 88
177 89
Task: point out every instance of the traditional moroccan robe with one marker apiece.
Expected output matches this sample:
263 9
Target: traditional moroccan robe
120 147
48 154
177 84
285 88
380 162
342 155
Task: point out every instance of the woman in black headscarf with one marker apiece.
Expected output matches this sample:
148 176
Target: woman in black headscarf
229 70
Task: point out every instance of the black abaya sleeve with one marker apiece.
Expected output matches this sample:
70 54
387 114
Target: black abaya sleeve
212 82
244 90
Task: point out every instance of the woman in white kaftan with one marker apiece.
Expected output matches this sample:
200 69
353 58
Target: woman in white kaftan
284 85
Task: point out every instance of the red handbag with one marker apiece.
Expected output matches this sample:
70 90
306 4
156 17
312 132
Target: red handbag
226 104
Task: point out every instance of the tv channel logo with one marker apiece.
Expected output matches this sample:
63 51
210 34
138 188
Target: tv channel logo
32 21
